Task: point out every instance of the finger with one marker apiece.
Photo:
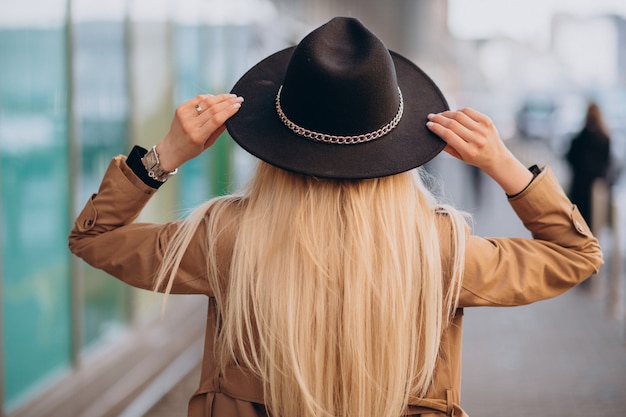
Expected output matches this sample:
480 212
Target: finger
468 117
214 99
206 101
213 104
211 140
458 121
198 104
476 116
203 102
450 150
447 127
217 114
447 135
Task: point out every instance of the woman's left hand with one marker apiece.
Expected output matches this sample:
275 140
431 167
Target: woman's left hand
196 126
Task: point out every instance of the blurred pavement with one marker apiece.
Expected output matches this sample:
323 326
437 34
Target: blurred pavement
556 358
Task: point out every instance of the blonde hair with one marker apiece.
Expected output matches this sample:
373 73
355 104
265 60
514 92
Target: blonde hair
336 294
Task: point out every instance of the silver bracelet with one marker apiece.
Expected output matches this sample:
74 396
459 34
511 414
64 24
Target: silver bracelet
151 163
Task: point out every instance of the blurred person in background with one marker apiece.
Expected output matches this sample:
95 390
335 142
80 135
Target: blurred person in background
336 280
589 157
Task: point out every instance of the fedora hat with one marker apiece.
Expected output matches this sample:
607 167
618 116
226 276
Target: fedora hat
338 105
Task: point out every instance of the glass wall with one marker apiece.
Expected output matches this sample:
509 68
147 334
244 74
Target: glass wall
78 85
209 59
101 112
36 305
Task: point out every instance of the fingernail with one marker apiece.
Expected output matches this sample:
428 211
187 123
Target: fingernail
239 99
431 115
237 105
430 124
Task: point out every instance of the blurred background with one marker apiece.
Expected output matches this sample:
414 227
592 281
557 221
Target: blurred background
82 81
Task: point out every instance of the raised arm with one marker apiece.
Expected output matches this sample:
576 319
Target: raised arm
105 234
516 271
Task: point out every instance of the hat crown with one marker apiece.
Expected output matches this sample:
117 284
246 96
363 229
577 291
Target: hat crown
340 80
331 107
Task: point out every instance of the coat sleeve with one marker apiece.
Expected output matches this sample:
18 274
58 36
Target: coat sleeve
105 235
518 271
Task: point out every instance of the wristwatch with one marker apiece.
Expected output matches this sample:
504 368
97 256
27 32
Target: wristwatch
151 163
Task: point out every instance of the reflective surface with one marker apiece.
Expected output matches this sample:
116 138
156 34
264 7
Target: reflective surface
101 111
34 176
73 94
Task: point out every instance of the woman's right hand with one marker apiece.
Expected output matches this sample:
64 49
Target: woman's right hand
196 126
472 137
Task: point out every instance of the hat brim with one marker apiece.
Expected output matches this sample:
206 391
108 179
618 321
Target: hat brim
257 128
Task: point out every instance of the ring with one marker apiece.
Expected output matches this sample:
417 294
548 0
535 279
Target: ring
199 109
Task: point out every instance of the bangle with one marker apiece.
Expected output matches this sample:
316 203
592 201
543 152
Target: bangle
151 163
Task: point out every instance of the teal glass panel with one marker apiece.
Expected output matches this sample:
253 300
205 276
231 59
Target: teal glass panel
194 177
36 306
101 114
209 59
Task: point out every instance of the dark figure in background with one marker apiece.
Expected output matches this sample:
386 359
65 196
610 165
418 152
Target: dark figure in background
589 158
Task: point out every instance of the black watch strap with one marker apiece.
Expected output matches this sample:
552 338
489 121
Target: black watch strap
134 162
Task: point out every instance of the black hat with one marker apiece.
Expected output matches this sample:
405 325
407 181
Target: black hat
338 105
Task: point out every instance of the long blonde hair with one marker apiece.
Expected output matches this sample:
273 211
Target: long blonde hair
336 295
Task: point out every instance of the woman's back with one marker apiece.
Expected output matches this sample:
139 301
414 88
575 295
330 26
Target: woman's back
324 274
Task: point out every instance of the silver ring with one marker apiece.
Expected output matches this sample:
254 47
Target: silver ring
199 109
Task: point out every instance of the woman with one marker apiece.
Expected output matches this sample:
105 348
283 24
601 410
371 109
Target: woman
337 283
589 157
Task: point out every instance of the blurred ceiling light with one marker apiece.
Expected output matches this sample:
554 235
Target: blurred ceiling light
224 12
32 13
52 13
212 12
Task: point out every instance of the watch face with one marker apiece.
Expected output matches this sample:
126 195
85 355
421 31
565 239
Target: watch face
151 162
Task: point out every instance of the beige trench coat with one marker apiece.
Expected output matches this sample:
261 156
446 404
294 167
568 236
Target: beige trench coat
498 272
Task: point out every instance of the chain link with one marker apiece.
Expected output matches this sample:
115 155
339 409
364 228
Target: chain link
339 139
